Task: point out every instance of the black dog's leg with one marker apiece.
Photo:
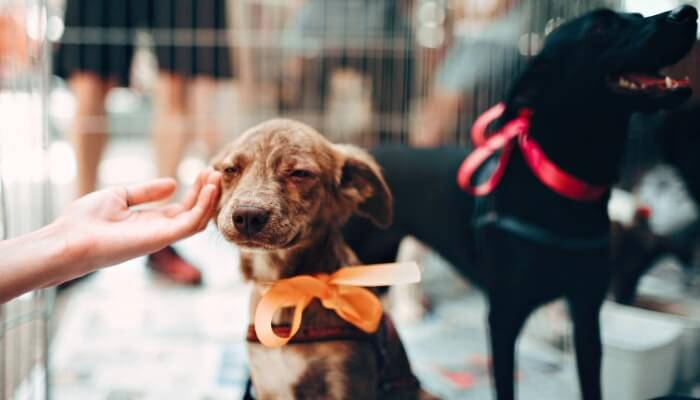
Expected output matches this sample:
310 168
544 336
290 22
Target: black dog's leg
625 286
505 323
585 315
371 244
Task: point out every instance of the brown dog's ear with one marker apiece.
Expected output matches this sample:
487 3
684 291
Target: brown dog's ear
362 184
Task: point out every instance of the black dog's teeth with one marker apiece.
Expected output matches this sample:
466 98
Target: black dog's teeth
659 83
622 82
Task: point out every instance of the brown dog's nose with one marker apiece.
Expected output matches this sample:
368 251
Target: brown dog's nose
683 13
250 220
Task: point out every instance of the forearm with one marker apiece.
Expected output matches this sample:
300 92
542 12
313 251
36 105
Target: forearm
36 260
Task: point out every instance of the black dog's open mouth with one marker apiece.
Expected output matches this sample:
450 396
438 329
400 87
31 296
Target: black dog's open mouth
647 83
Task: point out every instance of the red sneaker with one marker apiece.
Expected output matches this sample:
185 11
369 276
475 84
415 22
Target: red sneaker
169 264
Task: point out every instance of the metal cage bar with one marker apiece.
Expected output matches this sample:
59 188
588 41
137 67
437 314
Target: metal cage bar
24 201
361 71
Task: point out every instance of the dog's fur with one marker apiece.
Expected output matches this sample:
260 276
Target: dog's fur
580 120
308 187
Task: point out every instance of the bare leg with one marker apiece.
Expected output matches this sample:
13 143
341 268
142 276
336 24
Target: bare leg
170 137
170 123
206 123
88 131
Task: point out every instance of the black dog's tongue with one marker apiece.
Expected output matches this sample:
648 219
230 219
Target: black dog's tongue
650 81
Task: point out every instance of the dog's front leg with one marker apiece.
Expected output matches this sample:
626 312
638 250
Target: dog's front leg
585 316
505 323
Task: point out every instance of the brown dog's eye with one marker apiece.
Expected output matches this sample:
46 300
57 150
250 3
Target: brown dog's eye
300 174
231 170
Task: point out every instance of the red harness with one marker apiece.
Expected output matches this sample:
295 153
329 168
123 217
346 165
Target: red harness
556 179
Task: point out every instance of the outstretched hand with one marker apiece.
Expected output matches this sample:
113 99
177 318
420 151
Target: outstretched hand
102 229
105 229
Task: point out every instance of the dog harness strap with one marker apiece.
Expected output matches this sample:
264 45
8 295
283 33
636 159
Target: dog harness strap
380 339
556 179
388 380
312 333
542 235
503 141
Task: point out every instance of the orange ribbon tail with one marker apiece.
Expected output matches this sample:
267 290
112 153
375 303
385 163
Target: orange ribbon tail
341 292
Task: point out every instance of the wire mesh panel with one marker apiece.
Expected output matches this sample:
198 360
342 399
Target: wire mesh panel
24 194
360 71
345 67
367 71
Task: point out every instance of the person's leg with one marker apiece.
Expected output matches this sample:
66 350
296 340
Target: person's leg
171 135
88 131
170 123
206 122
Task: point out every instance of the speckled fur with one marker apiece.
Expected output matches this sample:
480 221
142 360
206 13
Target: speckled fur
302 236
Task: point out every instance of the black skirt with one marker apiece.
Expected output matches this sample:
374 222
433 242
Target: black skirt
189 36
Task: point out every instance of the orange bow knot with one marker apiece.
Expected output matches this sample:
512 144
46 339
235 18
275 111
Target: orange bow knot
342 292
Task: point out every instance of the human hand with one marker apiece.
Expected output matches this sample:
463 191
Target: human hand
101 229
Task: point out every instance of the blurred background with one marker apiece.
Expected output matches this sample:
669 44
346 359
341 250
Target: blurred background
98 93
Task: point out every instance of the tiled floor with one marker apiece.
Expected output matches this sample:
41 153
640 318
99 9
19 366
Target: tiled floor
126 334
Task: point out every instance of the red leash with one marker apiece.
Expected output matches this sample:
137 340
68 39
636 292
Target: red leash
556 179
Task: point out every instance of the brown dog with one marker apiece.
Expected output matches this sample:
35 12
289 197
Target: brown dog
286 192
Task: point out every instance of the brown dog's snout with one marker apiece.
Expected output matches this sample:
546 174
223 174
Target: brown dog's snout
250 220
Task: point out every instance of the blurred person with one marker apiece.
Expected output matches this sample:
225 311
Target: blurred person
488 33
369 37
16 47
96 54
495 40
101 229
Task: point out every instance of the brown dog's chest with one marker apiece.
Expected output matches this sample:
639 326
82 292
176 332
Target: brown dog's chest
326 370
319 370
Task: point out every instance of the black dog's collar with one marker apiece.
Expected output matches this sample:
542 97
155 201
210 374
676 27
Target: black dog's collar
541 235
546 170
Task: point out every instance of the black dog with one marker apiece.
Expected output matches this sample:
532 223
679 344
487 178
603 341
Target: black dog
523 243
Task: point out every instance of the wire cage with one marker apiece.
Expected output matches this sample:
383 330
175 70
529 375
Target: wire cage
360 71
24 190
370 71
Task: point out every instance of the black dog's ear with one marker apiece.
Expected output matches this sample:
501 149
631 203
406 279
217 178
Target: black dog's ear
362 186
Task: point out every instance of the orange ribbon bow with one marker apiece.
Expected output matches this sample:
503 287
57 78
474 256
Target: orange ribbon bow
341 292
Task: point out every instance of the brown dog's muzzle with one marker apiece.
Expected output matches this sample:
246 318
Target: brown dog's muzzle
250 220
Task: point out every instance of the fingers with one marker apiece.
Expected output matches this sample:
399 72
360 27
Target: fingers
191 197
196 218
207 175
213 204
154 190
214 178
